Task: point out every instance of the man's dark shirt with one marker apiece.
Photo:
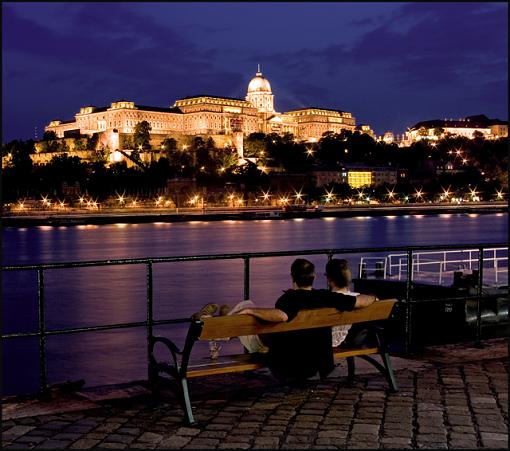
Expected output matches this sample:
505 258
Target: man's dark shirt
300 354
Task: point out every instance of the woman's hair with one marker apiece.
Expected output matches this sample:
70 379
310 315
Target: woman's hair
338 271
302 272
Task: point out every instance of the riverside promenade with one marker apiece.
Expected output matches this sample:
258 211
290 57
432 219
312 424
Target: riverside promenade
451 396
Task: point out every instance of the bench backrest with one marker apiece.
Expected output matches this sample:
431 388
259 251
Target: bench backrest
238 325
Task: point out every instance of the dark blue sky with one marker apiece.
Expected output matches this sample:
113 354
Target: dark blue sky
390 64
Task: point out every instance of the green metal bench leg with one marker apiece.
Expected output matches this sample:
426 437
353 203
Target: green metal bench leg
351 369
389 372
186 401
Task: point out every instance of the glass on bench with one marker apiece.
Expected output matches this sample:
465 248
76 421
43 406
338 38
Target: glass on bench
214 349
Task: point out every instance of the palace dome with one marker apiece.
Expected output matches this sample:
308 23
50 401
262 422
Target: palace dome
259 84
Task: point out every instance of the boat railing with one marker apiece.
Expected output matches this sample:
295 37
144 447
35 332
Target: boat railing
443 262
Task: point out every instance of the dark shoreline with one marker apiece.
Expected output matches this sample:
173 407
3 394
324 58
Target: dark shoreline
340 212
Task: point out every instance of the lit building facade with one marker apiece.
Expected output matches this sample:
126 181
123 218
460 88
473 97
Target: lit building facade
358 177
226 120
468 127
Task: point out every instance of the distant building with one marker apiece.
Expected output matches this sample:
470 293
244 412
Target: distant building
364 128
469 127
227 120
388 137
360 175
322 177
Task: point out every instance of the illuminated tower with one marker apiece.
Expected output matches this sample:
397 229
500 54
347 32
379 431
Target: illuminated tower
259 93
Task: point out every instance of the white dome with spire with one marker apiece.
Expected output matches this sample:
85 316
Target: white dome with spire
259 83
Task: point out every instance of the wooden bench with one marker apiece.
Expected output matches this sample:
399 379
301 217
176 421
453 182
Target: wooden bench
180 369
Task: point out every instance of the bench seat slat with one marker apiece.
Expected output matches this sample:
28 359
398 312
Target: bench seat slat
238 325
246 362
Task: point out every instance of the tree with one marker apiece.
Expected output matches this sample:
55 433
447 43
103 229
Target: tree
255 145
169 145
478 134
79 144
438 131
49 135
141 135
92 141
125 142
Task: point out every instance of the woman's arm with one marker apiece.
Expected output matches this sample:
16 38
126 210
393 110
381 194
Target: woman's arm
272 315
364 300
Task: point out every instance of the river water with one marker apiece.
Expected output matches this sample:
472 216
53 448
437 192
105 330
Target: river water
116 294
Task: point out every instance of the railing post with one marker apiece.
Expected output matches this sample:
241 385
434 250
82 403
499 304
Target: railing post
149 318
246 278
478 342
408 326
43 382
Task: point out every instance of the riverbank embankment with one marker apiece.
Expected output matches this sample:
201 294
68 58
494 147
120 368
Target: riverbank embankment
220 214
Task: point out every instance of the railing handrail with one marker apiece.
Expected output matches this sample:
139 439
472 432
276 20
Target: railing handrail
327 251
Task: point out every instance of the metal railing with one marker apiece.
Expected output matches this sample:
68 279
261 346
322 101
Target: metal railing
443 262
246 258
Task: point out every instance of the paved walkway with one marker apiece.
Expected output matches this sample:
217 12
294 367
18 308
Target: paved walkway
452 396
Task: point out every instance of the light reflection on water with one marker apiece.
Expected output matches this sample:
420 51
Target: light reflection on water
106 295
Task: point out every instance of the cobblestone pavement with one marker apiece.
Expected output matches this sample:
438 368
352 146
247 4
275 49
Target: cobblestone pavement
458 404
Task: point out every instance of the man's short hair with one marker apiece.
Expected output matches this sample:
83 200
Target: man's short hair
302 272
338 271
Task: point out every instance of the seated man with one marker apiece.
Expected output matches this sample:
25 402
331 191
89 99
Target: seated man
298 355
301 354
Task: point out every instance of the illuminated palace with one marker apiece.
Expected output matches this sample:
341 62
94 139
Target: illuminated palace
226 120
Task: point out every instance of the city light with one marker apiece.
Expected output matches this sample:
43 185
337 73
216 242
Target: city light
474 195
419 194
499 194
298 195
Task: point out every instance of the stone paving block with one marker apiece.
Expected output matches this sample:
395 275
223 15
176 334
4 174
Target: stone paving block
266 441
95 435
129 431
213 434
107 427
496 444
234 445
16 431
84 444
294 446
493 436
339 434
304 425
463 442
53 444
77 429
234 438
175 442
219 427
119 438
396 441
150 437
432 445
204 442
113 445
362 445
34 439
365 428
186 431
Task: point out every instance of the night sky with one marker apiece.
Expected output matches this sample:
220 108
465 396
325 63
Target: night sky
389 64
